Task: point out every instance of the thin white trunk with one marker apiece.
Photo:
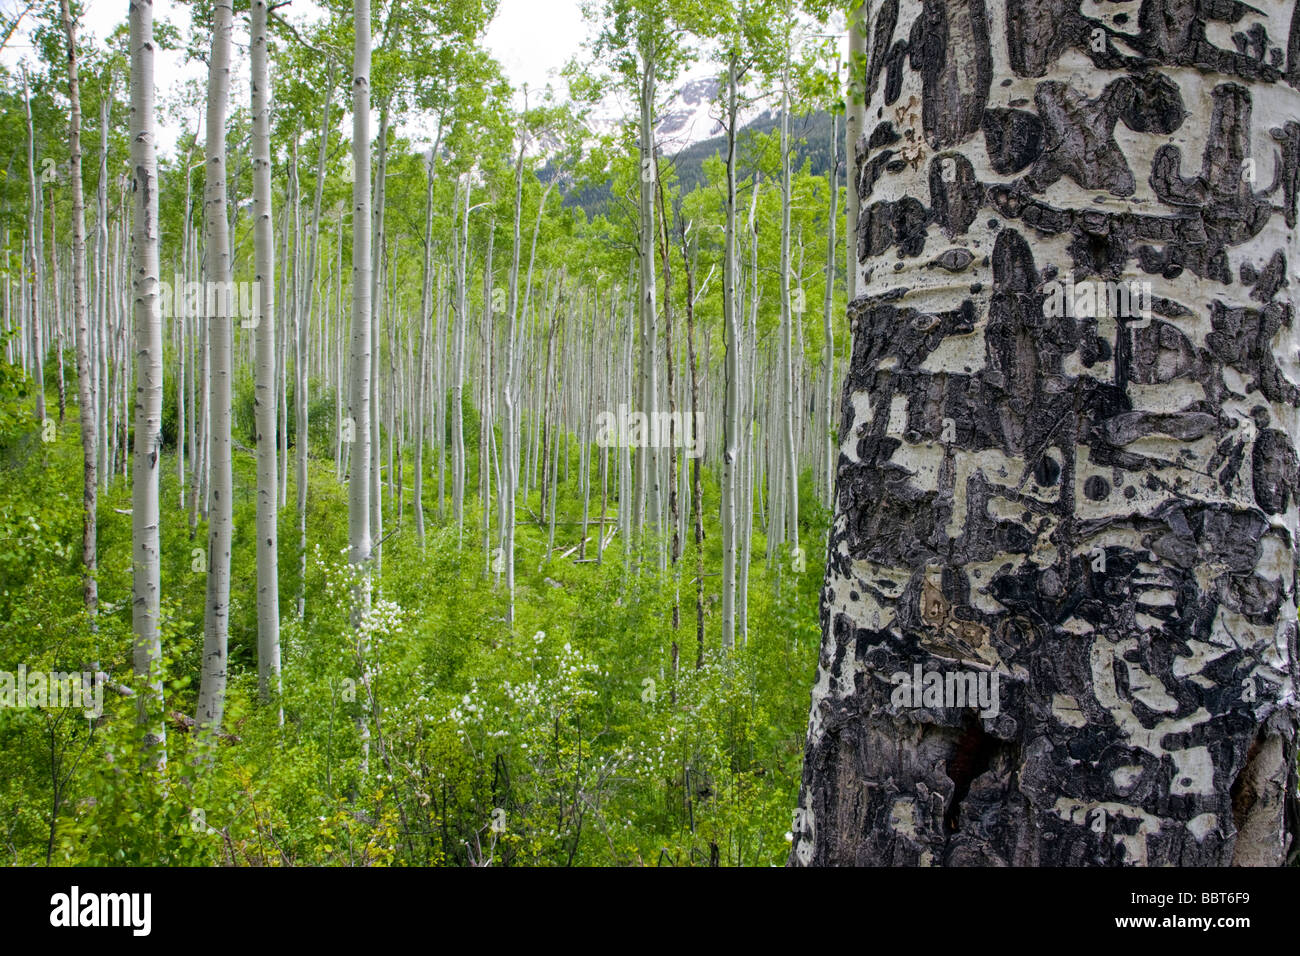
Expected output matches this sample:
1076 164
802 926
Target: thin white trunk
33 255
855 116
357 425
85 374
790 465
268 588
212 690
147 583
828 330
731 413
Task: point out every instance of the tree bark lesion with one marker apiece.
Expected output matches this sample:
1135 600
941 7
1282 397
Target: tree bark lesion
1100 507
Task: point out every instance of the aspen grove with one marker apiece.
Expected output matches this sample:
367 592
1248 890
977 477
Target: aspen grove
431 468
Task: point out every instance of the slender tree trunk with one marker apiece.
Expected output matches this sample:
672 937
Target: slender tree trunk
57 317
268 586
487 408
357 424
1054 493
458 376
511 433
376 305
828 328
85 372
647 459
731 410
426 312
147 579
675 551
212 690
284 303
100 352
697 488
855 117
35 227
790 465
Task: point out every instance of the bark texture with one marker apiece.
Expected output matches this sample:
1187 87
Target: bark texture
147 313
1099 508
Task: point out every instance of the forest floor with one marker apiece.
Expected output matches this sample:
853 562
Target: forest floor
569 739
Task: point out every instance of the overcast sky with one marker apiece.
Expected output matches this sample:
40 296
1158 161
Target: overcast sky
532 39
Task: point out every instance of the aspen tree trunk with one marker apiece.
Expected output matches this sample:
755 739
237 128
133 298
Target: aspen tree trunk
99 331
147 586
458 376
85 372
376 305
697 489
748 425
511 430
440 385
544 406
647 459
341 381
626 488
827 324
486 411
268 587
184 366
828 328
426 307
57 317
357 425
284 302
790 465
212 690
1069 466
675 551
35 228
198 479
607 395
550 395
587 395
855 116
731 411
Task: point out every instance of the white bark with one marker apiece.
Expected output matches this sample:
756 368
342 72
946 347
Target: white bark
828 330
790 465
147 652
855 116
357 426
268 588
647 459
731 412
33 254
85 374
212 690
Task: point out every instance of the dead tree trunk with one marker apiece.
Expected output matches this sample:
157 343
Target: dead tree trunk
1067 479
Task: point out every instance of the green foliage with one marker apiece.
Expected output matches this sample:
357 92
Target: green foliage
428 734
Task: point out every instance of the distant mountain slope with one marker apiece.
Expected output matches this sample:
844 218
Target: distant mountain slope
810 133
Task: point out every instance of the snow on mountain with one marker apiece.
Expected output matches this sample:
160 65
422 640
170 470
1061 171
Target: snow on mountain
690 115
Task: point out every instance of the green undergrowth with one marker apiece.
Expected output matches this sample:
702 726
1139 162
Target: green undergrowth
432 732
